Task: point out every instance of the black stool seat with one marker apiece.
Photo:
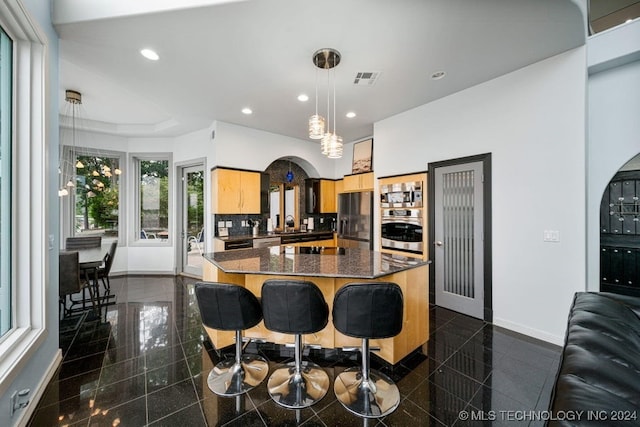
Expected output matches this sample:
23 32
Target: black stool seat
228 307
368 310
295 307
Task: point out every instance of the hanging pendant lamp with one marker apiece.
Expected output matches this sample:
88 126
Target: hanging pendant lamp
331 144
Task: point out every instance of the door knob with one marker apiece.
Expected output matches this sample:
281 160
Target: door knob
438 243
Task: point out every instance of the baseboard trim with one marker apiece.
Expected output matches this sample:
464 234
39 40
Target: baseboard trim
39 391
534 333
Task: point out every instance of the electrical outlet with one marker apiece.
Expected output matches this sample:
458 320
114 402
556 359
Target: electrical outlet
229 224
220 224
243 223
321 220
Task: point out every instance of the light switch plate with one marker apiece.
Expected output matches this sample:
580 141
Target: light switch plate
220 224
551 236
229 224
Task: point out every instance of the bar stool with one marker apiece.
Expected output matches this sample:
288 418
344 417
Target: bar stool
367 311
228 307
295 307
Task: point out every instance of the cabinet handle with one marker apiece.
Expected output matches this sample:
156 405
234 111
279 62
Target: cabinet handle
438 243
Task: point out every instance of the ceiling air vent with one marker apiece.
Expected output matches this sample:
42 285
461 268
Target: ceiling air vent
366 78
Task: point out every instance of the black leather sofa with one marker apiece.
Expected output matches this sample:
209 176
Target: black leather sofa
598 380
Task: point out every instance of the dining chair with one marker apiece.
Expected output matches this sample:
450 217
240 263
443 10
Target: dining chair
83 242
104 271
69 280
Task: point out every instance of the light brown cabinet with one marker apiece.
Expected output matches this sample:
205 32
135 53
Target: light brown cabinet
327 196
235 191
358 182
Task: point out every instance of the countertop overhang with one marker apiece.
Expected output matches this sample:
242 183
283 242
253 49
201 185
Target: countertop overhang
352 263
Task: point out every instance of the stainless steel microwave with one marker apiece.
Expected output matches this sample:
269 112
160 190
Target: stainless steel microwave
401 195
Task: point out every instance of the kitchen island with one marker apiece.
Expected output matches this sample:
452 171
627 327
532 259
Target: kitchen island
329 268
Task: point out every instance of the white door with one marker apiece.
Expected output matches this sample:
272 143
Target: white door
192 235
458 221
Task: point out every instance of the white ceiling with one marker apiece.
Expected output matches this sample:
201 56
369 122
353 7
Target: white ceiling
219 58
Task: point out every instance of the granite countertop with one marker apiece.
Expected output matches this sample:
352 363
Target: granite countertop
265 235
291 261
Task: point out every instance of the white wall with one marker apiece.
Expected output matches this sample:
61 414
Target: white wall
614 128
532 121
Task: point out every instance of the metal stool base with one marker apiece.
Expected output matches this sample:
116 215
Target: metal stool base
377 397
298 390
228 378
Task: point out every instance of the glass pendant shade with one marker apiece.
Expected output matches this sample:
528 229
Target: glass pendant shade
333 146
316 126
63 192
79 164
70 183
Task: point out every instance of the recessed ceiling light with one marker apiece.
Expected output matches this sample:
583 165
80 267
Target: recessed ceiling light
149 54
351 114
247 111
303 97
438 75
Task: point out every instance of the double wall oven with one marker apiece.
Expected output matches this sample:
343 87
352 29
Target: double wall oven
402 217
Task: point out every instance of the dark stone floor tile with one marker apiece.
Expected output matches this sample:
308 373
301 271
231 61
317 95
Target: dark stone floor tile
131 413
68 411
455 383
161 357
167 375
219 410
274 414
336 415
56 391
476 369
518 390
80 366
416 376
190 416
438 402
409 414
116 394
170 399
115 372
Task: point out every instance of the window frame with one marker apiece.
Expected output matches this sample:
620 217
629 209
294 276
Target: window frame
68 203
30 188
134 172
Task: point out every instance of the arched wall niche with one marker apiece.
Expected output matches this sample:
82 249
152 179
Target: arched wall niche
301 170
620 231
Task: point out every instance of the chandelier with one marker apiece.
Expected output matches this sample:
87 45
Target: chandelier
68 167
330 144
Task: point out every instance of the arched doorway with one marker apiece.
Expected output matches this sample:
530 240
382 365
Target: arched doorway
620 231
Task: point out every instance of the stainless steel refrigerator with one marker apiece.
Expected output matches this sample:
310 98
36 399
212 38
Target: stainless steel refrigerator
355 219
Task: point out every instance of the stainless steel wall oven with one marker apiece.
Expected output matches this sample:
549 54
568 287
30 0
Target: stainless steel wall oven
402 230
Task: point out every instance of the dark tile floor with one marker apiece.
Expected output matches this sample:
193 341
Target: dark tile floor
145 363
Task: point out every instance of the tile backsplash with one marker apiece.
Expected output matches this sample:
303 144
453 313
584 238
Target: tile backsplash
321 222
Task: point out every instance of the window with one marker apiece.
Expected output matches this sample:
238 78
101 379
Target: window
97 193
26 190
153 198
6 67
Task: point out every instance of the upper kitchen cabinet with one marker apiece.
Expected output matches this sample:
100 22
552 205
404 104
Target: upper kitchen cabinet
235 191
320 196
358 182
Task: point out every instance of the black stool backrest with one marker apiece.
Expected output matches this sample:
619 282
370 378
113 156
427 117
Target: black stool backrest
83 242
368 310
293 307
108 258
227 307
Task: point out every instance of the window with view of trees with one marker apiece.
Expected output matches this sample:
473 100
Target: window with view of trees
153 203
97 194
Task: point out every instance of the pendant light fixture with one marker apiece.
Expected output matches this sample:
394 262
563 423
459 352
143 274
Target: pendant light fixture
316 121
331 143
